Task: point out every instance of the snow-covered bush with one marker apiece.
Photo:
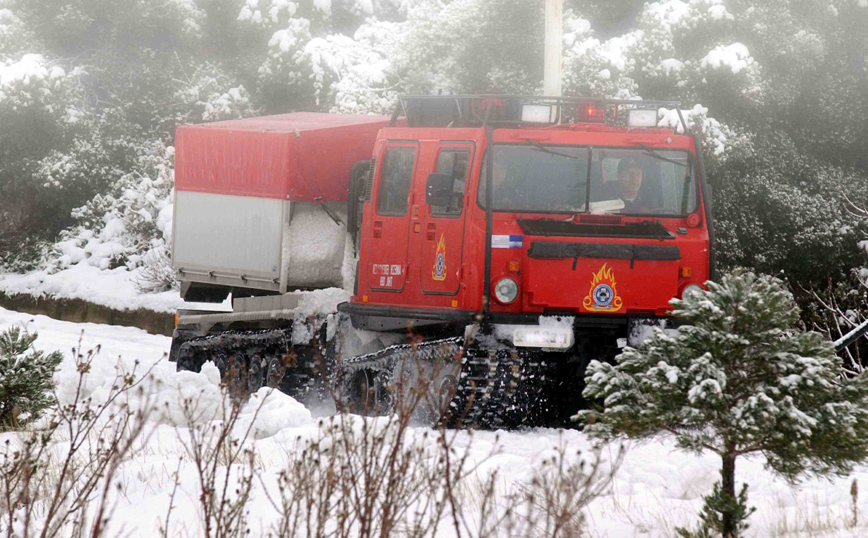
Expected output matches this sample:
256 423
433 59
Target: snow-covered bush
209 95
130 226
35 97
780 210
357 74
14 34
26 378
469 46
741 379
592 67
286 78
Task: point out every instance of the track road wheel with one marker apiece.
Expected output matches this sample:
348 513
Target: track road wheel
276 371
366 394
426 388
236 376
255 374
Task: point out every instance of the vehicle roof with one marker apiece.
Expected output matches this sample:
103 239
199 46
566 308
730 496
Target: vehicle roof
292 122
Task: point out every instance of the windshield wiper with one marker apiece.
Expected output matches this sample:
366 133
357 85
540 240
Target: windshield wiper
544 149
651 153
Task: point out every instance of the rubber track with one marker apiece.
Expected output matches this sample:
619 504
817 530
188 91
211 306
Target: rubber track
502 388
265 353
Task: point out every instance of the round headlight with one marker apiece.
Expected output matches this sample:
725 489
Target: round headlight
506 290
693 288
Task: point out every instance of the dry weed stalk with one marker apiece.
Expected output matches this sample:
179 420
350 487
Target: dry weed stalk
216 452
48 492
380 477
552 503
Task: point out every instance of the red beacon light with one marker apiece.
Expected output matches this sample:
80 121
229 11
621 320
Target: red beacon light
590 112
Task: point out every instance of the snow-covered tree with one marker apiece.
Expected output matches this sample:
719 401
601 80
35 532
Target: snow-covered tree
26 378
741 379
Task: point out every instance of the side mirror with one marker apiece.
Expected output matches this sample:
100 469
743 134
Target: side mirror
438 190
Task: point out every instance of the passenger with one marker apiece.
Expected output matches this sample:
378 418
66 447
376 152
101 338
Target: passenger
504 188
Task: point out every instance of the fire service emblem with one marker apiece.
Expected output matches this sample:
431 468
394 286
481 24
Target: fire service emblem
439 271
603 296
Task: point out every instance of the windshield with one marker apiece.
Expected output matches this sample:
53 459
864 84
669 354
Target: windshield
553 179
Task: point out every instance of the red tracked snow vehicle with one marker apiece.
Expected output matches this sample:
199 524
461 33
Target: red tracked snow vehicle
507 240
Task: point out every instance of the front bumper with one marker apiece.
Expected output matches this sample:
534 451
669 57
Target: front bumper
633 328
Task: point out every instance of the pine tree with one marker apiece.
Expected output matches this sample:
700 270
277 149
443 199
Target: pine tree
741 379
26 378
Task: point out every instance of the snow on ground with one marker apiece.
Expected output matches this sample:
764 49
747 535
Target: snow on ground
656 488
114 288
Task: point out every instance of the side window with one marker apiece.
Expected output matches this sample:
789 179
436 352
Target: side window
395 182
455 163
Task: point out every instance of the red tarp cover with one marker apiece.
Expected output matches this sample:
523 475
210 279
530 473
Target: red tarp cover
302 156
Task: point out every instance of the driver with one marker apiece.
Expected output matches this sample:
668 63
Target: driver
630 175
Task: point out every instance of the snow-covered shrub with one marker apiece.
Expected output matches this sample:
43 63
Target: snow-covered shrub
156 272
26 378
286 78
209 95
129 227
741 379
472 46
780 210
357 74
594 68
342 16
35 95
14 34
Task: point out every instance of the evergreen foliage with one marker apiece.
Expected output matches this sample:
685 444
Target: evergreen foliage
741 379
26 378
716 503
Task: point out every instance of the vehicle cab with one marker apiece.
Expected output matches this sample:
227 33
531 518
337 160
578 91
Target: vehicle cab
594 213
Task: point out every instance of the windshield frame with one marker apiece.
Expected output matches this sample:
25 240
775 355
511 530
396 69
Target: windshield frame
691 166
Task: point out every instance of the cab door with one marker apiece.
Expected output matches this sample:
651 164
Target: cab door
443 226
387 267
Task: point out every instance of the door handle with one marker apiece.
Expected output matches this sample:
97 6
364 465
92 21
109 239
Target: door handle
431 231
378 229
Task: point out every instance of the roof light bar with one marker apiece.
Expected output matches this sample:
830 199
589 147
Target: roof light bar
498 109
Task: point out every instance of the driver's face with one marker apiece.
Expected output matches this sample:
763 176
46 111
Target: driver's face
629 182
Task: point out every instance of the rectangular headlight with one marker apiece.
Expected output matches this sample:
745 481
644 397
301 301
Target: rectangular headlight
547 337
641 118
537 113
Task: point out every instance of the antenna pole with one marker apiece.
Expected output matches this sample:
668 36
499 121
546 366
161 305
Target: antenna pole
554 41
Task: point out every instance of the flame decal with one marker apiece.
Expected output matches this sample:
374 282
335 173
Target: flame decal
603 295
438 272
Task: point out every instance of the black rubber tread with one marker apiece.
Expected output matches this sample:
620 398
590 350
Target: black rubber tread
495 388
502 388
249 360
